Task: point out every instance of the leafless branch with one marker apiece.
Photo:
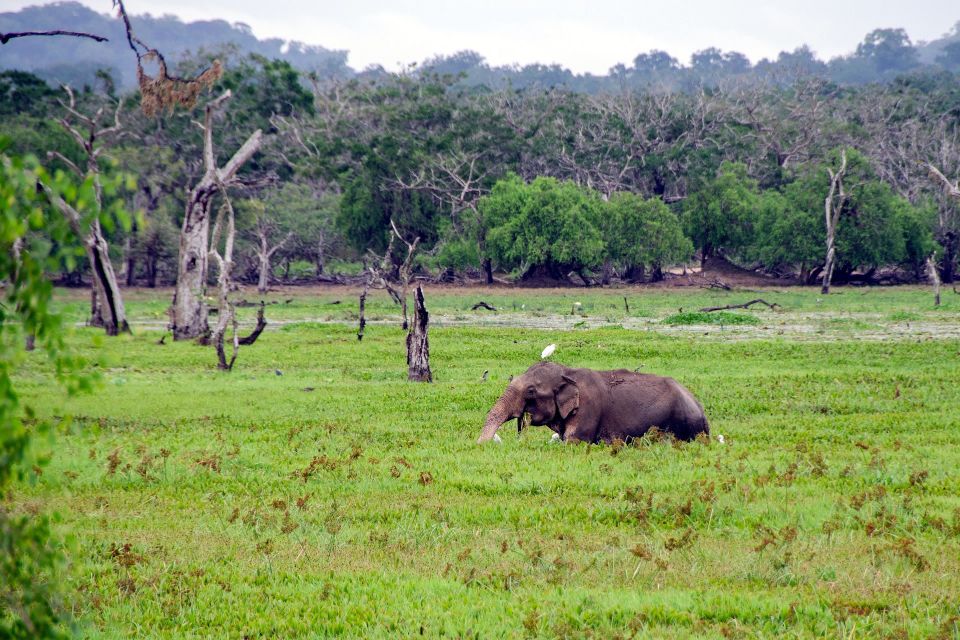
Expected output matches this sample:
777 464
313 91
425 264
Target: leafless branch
7 37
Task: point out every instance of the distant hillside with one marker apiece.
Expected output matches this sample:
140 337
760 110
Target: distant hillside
884 55
75 61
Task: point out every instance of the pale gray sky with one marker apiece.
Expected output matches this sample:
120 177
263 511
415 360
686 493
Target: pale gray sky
582 36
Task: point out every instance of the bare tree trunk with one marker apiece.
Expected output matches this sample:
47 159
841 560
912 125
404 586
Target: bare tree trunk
265 253
151 268
488 271
418 345
949 241
105 283
934 275
129 263
189 311
832 206
263 281
607 273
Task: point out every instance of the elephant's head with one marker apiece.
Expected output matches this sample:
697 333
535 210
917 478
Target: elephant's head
545 391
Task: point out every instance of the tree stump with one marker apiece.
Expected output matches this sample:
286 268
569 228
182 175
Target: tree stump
418 345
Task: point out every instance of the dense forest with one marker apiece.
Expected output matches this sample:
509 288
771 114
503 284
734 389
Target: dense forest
655 166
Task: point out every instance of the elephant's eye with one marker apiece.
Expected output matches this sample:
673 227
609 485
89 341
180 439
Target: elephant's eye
531 391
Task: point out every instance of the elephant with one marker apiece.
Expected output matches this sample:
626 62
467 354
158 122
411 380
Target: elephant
594 406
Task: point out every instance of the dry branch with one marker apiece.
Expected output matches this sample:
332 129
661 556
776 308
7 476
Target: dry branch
261 325
745 305
716 284
7 37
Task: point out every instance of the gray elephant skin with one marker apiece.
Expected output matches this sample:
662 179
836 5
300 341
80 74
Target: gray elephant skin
589 405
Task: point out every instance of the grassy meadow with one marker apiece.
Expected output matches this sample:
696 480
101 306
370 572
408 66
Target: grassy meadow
314 492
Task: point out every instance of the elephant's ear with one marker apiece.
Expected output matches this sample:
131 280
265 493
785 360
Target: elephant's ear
568 397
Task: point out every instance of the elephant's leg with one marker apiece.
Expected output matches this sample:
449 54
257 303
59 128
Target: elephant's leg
581 426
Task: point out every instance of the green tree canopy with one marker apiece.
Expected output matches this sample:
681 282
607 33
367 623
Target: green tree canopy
548 226
717 216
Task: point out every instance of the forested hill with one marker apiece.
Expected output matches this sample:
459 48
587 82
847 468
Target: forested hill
882 55
75 61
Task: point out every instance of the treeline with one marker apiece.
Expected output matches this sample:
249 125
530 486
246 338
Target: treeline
531 182
881 56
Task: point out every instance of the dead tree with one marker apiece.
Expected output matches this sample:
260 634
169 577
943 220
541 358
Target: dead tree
405 271
265 252
418 344
189 311
833 206
948 229
227 314
90 132
457 180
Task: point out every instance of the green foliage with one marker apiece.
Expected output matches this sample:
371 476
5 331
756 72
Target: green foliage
645 232
715 317
24 93
718 215
547 223
33 239
788 230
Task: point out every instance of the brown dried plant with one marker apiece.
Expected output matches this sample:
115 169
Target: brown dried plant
162 91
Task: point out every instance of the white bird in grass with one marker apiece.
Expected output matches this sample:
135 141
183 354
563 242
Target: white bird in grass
548 351
720 438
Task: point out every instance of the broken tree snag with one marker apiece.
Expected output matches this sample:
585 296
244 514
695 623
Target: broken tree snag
418 345
106 301
363 318
745 305
483 305
261 325
626 305
934 275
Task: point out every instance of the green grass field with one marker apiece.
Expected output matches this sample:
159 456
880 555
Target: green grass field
314 492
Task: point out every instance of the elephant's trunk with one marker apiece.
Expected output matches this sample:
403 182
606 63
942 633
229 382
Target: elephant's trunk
510 405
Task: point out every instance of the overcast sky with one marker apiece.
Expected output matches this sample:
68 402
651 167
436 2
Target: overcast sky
582 36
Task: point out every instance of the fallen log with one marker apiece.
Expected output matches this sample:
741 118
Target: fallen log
483 305
745 305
